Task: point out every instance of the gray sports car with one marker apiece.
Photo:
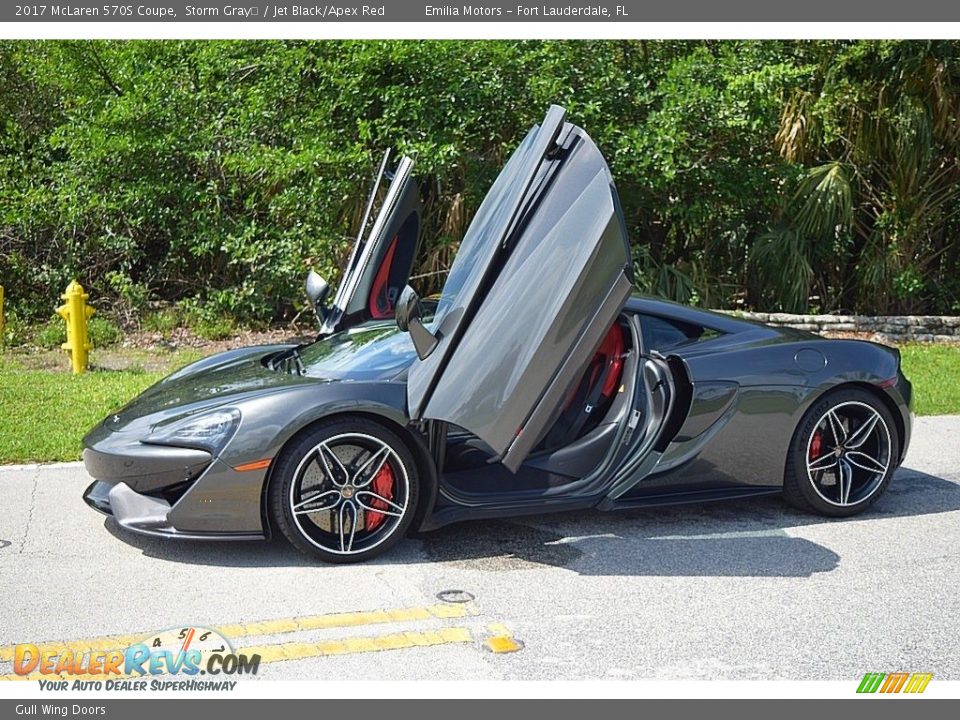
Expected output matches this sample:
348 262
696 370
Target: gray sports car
536 382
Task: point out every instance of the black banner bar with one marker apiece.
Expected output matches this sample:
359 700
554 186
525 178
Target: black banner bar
419 11
153 708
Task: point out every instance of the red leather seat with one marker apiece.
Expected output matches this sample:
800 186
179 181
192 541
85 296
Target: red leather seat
599 384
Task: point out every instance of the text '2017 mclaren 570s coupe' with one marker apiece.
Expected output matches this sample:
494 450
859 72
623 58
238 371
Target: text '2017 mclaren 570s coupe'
535 382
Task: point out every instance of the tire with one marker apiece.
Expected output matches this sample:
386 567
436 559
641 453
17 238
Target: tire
820 479
344 491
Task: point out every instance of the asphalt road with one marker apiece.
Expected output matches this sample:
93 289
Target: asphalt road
737 590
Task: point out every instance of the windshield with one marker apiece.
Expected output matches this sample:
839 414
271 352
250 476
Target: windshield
366 352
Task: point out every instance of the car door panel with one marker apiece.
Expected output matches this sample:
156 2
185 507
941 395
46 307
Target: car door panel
646 428
480 252
381 263
543 318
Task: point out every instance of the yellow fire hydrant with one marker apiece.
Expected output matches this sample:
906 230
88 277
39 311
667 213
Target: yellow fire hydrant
76 312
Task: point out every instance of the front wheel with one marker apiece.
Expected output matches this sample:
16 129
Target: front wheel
345 491
842 455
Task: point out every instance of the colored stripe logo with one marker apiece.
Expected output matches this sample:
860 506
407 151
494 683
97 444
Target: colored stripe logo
896 682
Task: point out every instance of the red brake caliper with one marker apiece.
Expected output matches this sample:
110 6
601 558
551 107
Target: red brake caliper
815 445
382 485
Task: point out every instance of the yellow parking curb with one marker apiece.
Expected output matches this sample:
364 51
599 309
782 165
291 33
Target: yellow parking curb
442 611
501 640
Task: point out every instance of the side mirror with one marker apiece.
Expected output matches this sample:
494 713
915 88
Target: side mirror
317 289
408 313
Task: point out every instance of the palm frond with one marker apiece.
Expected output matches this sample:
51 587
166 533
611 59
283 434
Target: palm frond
781 268
824 201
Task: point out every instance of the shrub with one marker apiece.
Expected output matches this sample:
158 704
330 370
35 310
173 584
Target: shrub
162 321
217 171
103 331
51 334
219 328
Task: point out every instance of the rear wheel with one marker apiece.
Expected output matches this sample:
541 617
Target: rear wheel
346 491
842 455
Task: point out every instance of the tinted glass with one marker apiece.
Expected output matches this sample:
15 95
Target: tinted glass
487 225
393 196
363 353
662 334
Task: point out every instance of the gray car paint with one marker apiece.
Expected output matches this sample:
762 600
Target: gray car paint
274 405
713 447
482 245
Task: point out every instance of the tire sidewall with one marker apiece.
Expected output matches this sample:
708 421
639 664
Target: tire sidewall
284 475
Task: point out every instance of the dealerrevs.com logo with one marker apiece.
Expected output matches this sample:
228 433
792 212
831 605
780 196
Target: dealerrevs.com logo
896 682
186 652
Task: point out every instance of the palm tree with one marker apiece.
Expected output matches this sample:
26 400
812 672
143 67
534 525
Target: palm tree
869 226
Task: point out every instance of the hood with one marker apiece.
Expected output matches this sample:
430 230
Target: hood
369 353
215 380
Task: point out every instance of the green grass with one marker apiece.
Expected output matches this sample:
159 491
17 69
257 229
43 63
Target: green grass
45 413
934 371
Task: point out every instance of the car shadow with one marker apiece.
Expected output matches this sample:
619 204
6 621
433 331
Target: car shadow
223 553
734 538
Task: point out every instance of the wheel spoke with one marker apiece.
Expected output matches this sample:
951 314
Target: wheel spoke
333 489
375 461
836 428
346 545
324 453
845 481
299 508
824 462
863 432
865 462
391 505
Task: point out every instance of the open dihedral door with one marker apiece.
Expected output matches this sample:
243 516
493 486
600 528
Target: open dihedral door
383 257
541 275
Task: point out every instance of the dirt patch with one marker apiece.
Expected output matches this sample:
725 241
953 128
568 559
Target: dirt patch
154 351
183 338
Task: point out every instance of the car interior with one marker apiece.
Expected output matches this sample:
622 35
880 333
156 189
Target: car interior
579 438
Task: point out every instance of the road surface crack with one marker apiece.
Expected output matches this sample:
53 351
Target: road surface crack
33 502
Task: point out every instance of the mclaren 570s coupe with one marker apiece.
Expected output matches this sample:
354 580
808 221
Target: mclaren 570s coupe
536 381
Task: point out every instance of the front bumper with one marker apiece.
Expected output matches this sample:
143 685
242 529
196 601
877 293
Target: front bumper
171 491
146 468
144 514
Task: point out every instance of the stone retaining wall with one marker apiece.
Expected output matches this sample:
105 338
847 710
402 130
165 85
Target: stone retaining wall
916 328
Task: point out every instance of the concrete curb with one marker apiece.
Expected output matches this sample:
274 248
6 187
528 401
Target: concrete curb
29 467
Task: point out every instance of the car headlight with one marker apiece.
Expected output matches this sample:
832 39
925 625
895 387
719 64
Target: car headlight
207 431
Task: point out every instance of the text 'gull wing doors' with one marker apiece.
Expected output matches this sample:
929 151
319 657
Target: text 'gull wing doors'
541 275
383 256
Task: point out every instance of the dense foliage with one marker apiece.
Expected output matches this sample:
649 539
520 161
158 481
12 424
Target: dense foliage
773 175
